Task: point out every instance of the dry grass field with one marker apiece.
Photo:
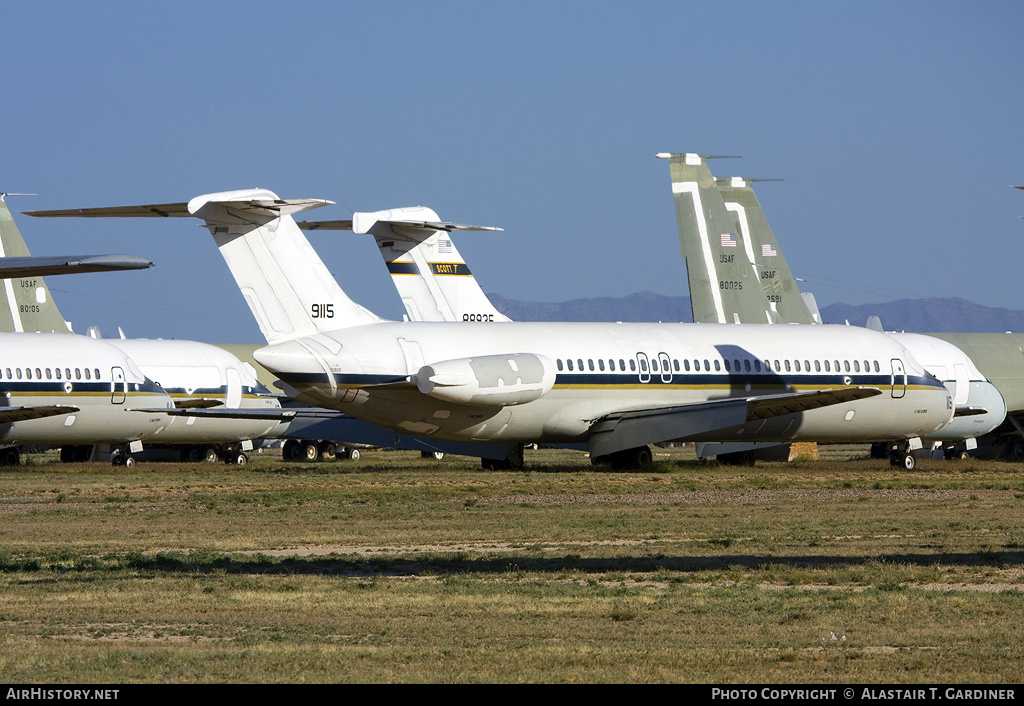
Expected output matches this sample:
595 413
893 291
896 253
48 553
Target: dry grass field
399 569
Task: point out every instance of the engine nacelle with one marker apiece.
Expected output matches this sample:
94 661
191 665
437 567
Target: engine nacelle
489 380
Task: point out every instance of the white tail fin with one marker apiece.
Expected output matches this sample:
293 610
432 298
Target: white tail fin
285 283
431 277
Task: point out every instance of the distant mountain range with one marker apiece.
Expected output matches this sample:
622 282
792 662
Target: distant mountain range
919 315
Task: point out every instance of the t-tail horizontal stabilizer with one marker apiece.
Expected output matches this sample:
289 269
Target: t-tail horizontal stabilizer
431 277
288 288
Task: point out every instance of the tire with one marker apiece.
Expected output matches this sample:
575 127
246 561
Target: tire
909 463
210 455
328 450
1015 450
436 455
289 449
129 461
241 459
353 454
632 459
74 454
310 451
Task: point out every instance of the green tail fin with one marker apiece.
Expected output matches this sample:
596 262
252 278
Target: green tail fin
25 303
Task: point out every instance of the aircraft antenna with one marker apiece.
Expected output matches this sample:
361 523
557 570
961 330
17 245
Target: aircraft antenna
5 194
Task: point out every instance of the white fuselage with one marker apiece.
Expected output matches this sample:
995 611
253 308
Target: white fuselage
968 386
360 370
189 370
38 369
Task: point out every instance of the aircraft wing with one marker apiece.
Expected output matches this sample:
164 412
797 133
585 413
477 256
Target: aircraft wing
630 429
234 413
197 403
21 414
969 411
13 267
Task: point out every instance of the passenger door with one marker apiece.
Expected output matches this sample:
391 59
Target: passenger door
118 386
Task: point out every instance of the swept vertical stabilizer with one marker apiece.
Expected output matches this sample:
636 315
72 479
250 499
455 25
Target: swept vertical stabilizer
724 284
25 302
431 277
285 283
765 256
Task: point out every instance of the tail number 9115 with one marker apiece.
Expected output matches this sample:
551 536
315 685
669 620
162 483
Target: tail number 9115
322 311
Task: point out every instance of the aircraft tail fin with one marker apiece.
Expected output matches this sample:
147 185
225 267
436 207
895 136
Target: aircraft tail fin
724 282
287 286
25 302
777 281
431 277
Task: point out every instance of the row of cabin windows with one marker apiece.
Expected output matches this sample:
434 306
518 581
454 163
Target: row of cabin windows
734 365
55 374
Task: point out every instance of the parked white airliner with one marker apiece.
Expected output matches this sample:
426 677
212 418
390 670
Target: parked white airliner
193 374
68 389
616 387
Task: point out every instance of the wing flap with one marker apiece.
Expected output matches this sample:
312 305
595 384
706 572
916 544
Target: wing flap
630 429
197 403
21 414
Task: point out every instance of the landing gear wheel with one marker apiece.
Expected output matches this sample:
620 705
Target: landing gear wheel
1015 449
289 448
210 455
436 455
908 462
310 451
328 451
74 454
631 459
737 458
353 454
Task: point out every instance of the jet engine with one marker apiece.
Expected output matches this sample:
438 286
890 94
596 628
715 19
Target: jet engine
489 380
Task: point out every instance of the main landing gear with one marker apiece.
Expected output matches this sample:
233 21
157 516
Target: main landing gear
627 459
902 456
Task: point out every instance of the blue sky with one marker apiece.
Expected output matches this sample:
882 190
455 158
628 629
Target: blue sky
896 127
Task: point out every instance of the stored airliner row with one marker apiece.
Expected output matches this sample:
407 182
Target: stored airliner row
193 374
65 387
615 387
